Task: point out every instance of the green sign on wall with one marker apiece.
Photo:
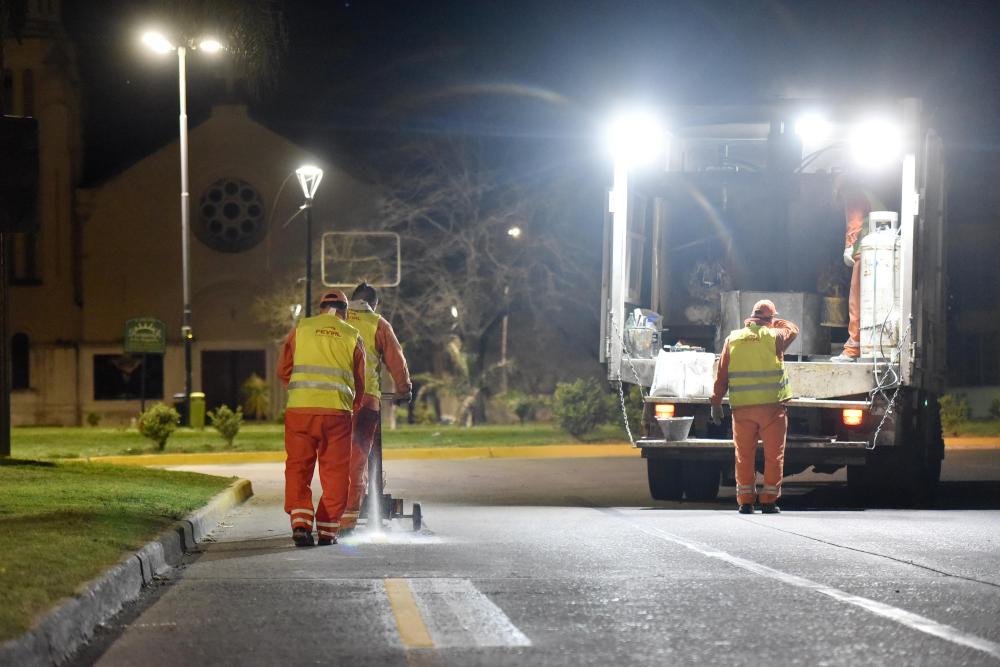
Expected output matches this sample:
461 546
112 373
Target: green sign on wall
145 335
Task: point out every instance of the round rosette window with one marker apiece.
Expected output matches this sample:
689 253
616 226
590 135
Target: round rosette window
230 216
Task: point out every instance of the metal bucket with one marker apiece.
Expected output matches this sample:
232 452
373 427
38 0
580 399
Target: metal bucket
675 428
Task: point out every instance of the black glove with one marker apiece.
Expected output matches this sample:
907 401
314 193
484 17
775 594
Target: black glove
403 399
716 414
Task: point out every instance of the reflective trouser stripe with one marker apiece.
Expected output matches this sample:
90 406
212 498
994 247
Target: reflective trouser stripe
309 512
321 370
745 489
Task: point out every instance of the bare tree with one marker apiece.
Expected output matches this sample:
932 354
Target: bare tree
475 239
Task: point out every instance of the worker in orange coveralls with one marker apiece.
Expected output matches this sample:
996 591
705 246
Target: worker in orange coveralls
381 346
323 366
752 369
857 206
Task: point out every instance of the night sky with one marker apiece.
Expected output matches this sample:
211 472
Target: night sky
543 73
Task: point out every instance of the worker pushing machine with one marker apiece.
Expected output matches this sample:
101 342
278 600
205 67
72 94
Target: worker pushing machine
381 346
323 366
752 369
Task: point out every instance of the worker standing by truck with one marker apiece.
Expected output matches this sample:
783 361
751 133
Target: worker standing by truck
752 369
323 366
381 346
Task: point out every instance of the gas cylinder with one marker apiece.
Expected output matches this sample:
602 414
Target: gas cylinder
880 295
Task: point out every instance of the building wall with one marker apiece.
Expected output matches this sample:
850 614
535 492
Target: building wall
132 247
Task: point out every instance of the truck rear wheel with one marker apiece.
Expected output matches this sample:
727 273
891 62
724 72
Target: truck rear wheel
908 471
701 480
664 479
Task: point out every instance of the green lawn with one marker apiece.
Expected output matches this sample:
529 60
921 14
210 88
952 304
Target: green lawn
979 428
69 442
63 524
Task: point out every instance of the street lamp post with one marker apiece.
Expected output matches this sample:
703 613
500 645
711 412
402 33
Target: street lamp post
309 178
160 44
635 138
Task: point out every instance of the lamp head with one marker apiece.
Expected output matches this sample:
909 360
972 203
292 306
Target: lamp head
309 178
157 41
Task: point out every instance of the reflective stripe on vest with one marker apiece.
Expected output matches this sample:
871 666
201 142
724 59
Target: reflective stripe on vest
322 369
756 375
366 322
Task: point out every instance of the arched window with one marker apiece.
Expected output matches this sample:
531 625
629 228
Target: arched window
20 362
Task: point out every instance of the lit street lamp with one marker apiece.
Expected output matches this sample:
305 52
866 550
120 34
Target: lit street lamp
309 178
635 138
160 44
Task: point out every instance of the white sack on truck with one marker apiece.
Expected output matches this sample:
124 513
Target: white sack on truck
683 374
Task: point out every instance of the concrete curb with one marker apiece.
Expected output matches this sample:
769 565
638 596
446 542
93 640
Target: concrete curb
58 635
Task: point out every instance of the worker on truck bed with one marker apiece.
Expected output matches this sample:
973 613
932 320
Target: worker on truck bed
752 369
381 345
858 205
323 366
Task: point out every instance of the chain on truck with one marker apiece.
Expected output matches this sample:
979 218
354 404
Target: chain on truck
743 204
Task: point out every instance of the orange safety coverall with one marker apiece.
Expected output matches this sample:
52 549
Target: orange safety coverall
856 210
768 423
366 420
322 434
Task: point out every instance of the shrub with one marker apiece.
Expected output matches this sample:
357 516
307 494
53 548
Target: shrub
581 406
93 419
256 397
158 423
524 406
995 407
954 412
226 422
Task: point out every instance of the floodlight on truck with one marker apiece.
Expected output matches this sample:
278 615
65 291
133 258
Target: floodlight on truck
876 143
635 137
813 129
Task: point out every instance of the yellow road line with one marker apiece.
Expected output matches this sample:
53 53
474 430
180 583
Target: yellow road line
412 630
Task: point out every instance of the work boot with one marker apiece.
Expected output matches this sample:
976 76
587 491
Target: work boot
843 359
769 508
746 508
302 537
326 541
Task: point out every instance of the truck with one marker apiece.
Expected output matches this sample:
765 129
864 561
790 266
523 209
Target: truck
745 203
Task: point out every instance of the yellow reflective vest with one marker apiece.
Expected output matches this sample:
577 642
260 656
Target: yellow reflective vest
323 364
366 322
756 375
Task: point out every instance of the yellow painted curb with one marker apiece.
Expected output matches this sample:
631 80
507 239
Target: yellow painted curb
972 443
417 453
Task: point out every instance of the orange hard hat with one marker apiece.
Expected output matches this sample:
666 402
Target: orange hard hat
764 309
333 298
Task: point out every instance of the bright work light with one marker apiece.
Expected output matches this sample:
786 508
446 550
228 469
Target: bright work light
309 177
157 42
635 137
876 143
813 129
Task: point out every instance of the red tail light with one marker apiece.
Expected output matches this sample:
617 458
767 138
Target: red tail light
664 410
852 416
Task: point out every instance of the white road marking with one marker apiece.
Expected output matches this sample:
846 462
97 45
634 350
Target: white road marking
901 616
459 615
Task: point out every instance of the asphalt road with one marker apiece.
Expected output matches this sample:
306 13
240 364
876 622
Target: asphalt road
567 562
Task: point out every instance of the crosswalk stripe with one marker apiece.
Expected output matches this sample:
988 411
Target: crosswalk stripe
449 613
409 622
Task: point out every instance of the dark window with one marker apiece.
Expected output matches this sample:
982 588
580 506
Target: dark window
28 93
118 377
22 259
7 94
20 362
